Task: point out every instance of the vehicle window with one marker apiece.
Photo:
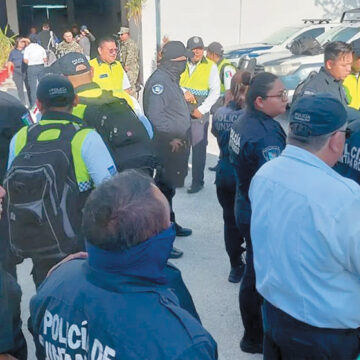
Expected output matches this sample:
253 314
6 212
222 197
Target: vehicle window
338 34
311 33
280 36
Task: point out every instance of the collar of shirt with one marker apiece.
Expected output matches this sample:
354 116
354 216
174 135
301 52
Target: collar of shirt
328 77
305 156
86 87
193 66
103 62
59 115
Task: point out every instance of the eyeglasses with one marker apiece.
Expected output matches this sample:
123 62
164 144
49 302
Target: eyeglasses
283 95
347 132
112 51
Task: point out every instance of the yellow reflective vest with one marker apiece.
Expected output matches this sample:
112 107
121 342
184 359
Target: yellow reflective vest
83 178
198 82
352 89
108 76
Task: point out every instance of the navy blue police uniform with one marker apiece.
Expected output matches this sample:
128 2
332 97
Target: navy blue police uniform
225 180
254 139
12 340
166 108
146 323
349 164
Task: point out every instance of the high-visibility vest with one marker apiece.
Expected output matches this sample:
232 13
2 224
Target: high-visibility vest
83 178
198 82
108 76
221 67
352 89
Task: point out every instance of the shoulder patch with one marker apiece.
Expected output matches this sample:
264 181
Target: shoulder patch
271 152
157 89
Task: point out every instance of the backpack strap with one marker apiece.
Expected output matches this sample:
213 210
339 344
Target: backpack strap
67 131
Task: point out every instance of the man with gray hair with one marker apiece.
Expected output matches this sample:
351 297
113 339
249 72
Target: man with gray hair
305 233
117 304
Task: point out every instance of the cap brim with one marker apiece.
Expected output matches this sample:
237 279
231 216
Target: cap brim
188 53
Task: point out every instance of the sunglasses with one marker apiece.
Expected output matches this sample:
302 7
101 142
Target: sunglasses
284 95
347 132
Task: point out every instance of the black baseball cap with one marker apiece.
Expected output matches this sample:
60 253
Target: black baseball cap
317 115
195 42
175 49
55 90
216 48
72 63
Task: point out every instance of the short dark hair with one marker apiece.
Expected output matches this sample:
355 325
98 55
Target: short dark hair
123 212
260 85
105 40
335 48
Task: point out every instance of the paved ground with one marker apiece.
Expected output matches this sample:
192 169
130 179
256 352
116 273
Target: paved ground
205 266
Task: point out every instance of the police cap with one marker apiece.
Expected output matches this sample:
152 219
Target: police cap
195 42
72 63
216 48
55 90
175 49
317 115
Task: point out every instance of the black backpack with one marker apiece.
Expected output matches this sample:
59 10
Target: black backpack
43 200
122 131
306 46
299 88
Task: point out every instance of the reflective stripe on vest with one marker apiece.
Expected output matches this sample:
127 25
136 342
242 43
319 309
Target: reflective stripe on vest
124 95
352 89
221 67
108 76
198 82
83 178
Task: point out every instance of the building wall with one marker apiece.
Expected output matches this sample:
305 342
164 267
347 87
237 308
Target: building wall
12 15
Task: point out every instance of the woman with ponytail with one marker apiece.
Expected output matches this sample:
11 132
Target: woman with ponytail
225 174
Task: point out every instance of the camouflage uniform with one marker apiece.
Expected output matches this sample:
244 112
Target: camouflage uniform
129 58
64 48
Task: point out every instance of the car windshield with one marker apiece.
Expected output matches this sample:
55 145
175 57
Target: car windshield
280 36
338 34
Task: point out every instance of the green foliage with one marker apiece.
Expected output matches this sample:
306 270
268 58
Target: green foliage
134 8
6 45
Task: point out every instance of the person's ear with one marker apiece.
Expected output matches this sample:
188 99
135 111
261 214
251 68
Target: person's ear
336 142
76 101
259 102
329 64
40 106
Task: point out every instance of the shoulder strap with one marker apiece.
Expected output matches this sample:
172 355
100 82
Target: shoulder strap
67 131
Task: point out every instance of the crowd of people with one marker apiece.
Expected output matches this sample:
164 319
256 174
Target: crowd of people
88 192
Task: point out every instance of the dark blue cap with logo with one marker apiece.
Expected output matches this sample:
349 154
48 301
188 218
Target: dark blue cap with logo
317 115
72 63
55 90
195 42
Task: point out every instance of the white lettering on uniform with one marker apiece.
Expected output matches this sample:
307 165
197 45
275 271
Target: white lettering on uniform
55 327
47 321
74 331
109 353
97 350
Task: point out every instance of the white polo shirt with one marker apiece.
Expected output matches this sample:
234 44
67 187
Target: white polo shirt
35 54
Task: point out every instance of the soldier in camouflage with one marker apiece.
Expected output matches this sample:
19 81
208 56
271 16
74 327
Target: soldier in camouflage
129 57
68 45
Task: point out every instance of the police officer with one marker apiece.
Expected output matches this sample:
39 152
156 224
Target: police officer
13 116
352 82
166 108
129 57
108 72
337 66
92 160
201 85
254 139
227 70
225 181
12 341
129 238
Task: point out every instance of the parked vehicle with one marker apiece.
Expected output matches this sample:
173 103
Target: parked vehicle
278 41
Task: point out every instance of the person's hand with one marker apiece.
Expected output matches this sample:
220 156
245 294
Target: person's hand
189 97
78 255
86 31
6 357
176 144
196 114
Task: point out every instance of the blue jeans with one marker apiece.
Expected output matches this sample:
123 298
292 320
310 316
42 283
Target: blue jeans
34 74
290 339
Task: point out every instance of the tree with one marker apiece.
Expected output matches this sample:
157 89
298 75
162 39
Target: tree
134 9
